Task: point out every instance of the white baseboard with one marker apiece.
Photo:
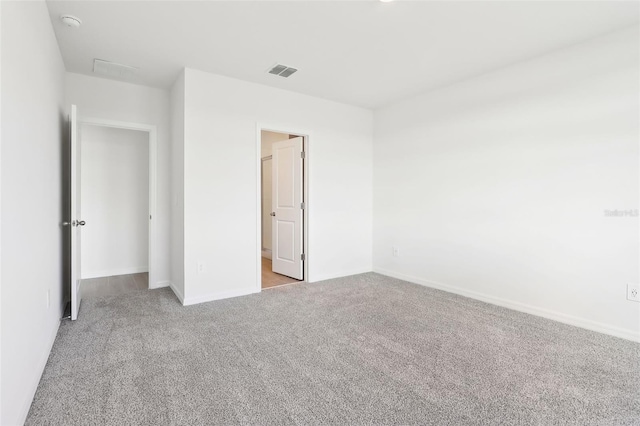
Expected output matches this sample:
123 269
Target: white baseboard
218 296
266 253
159 284
177 292
315 278
521 307
37 374
113 272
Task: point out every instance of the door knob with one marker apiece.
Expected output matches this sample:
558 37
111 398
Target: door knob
273 213
78 223
82 223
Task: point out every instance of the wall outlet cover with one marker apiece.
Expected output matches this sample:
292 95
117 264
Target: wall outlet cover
633 292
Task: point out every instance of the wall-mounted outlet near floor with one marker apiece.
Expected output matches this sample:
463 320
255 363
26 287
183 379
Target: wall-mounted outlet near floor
48 298
200 267
633 292
396 251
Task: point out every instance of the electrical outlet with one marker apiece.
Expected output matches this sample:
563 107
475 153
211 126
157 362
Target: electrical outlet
48 299
200 267
633 292
396 251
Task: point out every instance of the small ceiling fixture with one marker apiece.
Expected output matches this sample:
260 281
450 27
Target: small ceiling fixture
71 21
386 1
282 70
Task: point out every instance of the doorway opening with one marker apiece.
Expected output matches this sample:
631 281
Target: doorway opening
114 187
116 221
283 212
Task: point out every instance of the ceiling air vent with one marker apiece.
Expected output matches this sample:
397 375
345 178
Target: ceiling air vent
114 70
282 70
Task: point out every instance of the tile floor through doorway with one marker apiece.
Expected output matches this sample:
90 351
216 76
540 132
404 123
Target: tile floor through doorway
271 279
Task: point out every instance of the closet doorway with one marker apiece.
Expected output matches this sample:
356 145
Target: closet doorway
113 193
115 207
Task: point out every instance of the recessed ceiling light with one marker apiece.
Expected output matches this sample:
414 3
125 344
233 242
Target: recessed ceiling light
71 21
386 1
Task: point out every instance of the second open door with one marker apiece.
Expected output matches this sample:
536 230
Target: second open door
287 214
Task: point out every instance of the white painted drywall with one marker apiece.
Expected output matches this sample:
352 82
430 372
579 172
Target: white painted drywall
268 138
114 100
114 201
496 187
177 187
33 133
221 182
1 102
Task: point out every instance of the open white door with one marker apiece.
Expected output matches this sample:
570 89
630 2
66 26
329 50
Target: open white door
286 221
76 223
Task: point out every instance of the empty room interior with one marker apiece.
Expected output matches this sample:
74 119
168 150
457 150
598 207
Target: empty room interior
320 212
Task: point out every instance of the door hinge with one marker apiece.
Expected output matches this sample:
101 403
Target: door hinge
302 155
302 206
150 217
302 256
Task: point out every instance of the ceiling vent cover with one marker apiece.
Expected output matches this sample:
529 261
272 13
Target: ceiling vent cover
282 70
114 70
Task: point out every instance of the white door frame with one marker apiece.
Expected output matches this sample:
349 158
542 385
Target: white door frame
279 128
153 156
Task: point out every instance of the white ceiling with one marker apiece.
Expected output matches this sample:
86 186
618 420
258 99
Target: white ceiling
364 53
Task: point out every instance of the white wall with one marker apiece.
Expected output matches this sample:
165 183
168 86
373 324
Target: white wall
114 201
33 133
114 100
221 178
177 187
267 138
496 187
1 133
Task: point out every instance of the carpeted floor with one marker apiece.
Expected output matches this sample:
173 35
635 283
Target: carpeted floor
365 349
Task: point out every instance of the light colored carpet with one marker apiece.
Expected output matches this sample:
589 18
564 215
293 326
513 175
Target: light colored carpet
114 285
365 349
